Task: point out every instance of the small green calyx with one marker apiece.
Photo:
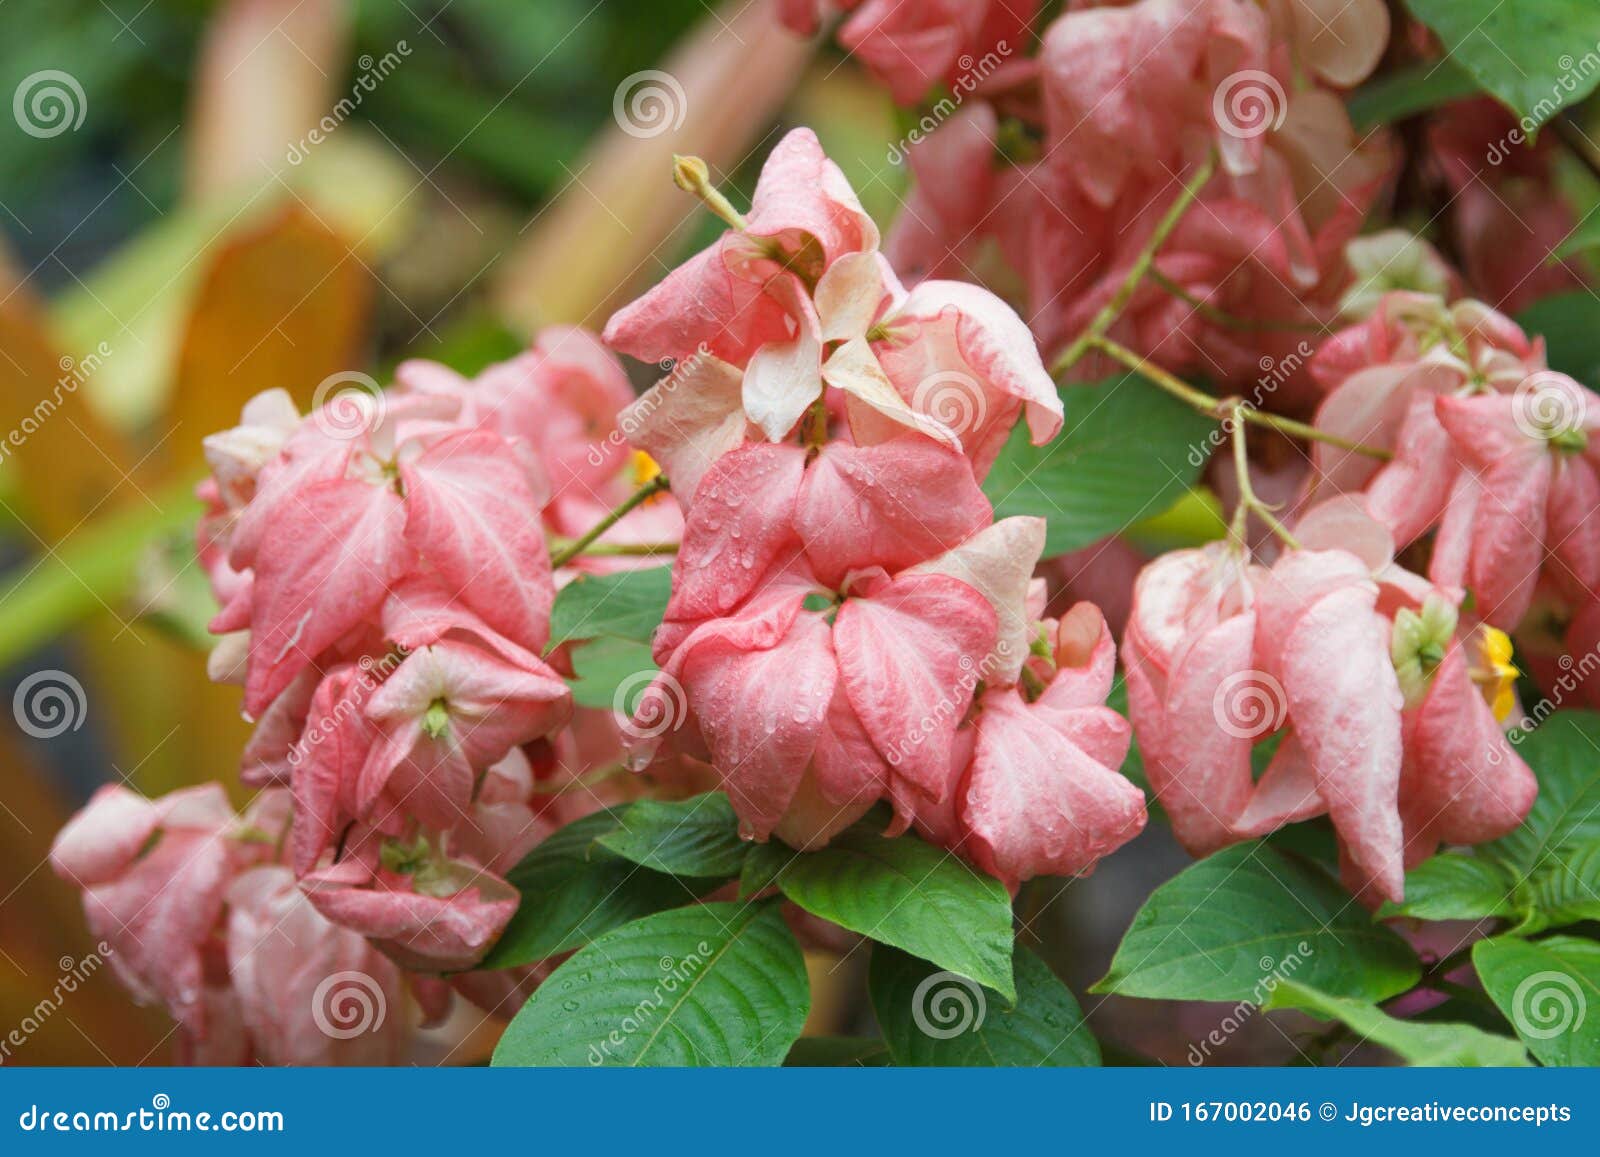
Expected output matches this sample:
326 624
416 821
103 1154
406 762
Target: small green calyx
436 720
1419 644
405 859
1573 441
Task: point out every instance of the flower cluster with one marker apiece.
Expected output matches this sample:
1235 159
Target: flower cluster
1490 449
386 592
853 636
848 623
1053 179
1383 706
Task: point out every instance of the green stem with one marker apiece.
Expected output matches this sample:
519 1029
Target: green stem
616 549
1218 408
572 550
1119 301
1248 502
693 176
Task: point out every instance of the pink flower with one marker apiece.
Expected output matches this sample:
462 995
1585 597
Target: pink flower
738 295
1528 492
1129 91
1357 665
308 991
339 518
948 360
912 48
1383 376
1034 786
155 874
828 625
423 907
447 711
561 399
1508 218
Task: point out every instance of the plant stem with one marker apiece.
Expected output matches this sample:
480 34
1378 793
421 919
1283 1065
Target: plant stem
1219 408
1248 502
616 549
572 550
1119 301
693 176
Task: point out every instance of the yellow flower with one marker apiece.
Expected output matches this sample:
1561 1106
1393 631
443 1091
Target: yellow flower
1493 671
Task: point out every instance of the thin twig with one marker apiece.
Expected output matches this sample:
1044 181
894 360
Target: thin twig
1220 408
1119 301
572 550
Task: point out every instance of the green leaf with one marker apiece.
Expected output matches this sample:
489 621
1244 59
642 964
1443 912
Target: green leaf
692 837
625 605
611 673
1227 927
935 1018
1433 1044
912 895
717 984
1570 322
762 864
1536 56
1408 91
1126 452
1550 992
574 890
833 1052
1454 887
1549 868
